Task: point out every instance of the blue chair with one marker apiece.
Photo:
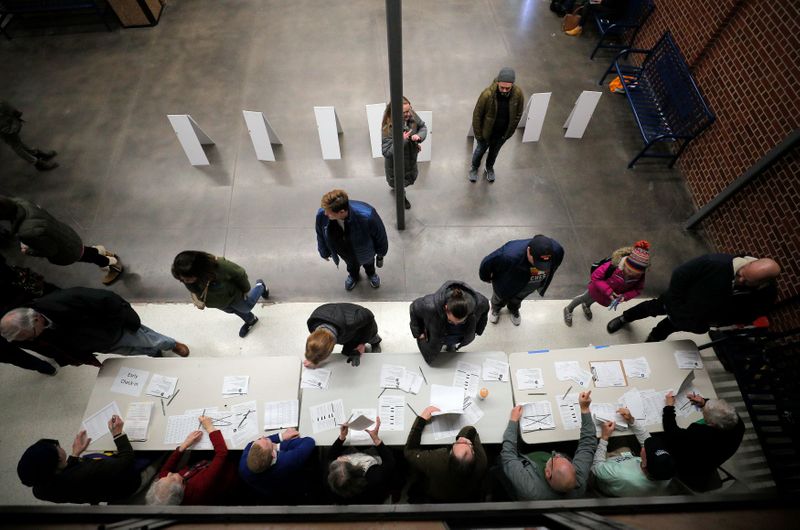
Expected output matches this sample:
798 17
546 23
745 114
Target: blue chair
624 28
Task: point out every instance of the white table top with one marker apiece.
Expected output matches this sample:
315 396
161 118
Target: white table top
665 375
200 386
359 388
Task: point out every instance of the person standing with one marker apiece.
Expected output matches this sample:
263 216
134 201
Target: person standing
350 325
10 126
414 133
517 269
219 283
42 235
494 120
353 231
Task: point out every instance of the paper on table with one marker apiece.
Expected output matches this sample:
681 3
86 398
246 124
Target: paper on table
411 382
392 375
96 425
528 378
392 412
607 374
363 419
638 367
604 412
632 400
281 414
317 378
537 416
653 401
244 426
235 385
495 370
199 412
688 359
468 377
137 420
448 399
327 416
571 370
162 386
179 427
130 381
570 411
449 426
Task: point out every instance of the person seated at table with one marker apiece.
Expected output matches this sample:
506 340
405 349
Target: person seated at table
453 474
350 325
358 476
91 479
626 475
548 475
449 318
201 483
706 444
273 466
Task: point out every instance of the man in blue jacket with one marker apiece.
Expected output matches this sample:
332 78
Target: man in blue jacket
272 465
517 269
353 231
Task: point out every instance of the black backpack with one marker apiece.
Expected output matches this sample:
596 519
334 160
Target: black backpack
599 263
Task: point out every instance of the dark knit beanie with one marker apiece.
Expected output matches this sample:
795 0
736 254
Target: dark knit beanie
506 75
38 462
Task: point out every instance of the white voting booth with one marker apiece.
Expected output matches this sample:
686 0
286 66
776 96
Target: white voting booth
427 146
191 137
374 119
581 114
329 128
533 120
261 134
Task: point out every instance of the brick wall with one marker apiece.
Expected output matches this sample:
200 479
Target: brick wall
745 56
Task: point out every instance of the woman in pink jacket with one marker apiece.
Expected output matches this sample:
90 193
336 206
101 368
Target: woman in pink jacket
620 279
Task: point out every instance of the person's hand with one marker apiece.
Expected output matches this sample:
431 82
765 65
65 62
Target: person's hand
406 134
115 425
80 443
354 360
516 413
208 423
24 248
428 412
379 261
697 399
374 432
191 439
669 399
343 429
360 348
422 337
626 415
308 364
607 429
584 400
415 138
290 433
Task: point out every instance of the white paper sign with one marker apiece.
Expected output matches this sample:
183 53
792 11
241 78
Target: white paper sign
130 381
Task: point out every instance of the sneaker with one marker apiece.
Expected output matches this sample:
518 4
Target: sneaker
350 283
181 349
47 369
375 347
375 281
615 325
113 271
450 348
407 204
265 294
587 311
45 165
473 174
489 174
44 155
567 317
494 316
515 318
245 329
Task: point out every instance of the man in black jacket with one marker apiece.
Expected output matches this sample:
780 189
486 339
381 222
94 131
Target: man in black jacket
70 325
710 290
57 478
350 325
10 126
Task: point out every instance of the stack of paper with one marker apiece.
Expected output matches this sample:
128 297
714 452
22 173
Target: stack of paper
528 378
235 385
653 402
448 399
281 414
604 412
572 371
607 374
632 400
361 421
537 416
327 416
637 368
137 421
495 370
468 377
448 426
317 378
396 376
161 386
688 359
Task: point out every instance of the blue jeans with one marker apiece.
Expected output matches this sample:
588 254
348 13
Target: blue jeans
243 308
493 145
143 341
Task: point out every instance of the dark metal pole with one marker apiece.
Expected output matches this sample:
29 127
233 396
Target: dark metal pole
394 39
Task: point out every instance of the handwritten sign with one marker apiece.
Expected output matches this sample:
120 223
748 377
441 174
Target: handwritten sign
130 381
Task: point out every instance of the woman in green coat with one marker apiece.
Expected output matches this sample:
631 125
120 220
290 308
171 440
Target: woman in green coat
219 283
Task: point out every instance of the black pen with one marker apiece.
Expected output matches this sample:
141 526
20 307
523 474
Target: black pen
412 410
382 391
423 374
537 393
565 393
163 410
245 417
173 397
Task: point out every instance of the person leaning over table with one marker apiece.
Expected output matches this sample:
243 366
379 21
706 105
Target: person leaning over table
204 482
350 325
454 474
537 477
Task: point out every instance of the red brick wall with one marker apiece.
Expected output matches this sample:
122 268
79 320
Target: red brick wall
745 56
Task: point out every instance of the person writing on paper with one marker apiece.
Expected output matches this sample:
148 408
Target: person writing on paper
449 318
360 476
454 474
350 325
542 475
705 445
55 477
273 466
626 475
201 483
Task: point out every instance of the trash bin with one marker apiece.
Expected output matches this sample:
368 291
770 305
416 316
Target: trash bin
137 13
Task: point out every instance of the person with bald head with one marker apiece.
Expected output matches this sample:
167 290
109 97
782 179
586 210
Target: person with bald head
710 290
540 476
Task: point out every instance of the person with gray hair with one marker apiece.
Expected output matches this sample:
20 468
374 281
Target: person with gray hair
705 445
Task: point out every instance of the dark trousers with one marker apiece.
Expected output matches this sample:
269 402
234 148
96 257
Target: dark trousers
11 354
26 153
353 266
493 145
92 255
665 327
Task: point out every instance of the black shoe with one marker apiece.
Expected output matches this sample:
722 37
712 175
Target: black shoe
45 165
245 329
44 155
375 347
615 325
265 294
47 369
408 204
652 338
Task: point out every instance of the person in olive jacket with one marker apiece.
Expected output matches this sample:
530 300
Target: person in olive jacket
449 318
219 283
414 133
350 325
10 127
494 120
58 478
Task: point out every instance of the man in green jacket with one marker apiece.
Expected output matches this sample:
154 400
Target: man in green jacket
494 120
10 125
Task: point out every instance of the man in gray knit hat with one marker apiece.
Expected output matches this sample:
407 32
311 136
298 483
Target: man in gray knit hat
494 120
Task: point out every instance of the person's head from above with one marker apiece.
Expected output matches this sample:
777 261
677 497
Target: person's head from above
262 455
319 346
505 81
336 204
456 307
540 252
41 461
386 121
345 479
757 273
560 473
657 462
636 263
166 491
720 414
22 324
462 457
192 266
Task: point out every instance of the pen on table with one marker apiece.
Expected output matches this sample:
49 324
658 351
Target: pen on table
382 391
567 392
423 375
173 397
348 420
412 410
199 422
244 418
163 410
537 393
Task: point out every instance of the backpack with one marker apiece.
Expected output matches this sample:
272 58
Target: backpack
599 263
